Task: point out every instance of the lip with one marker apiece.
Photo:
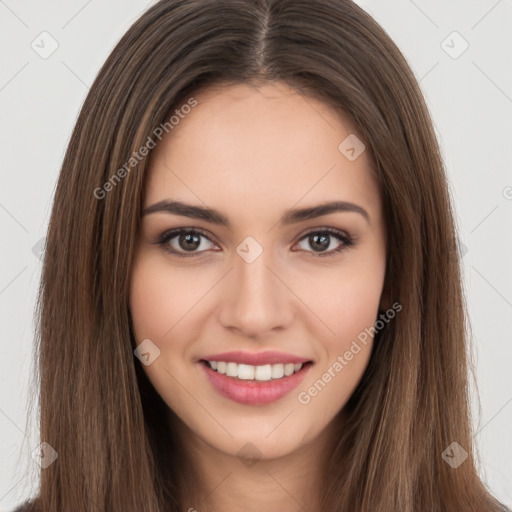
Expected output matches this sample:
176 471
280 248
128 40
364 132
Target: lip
256 358
251 392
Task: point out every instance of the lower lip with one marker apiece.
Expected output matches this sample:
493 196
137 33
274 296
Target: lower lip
253 392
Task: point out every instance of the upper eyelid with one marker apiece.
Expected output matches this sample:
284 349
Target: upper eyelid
172 233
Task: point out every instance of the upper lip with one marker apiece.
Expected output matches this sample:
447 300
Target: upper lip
256 358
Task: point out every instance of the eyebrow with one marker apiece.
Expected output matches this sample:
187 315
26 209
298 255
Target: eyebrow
290 217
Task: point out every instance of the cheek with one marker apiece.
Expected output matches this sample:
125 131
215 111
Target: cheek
160 298
357 303
159 302
345 354
348 304
164 304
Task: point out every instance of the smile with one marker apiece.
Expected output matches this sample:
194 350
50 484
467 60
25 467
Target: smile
254 384
259 373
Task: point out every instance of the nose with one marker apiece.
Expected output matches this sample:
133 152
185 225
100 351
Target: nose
255 301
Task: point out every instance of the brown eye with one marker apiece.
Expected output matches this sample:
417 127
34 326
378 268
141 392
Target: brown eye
321 241
189 242
184 242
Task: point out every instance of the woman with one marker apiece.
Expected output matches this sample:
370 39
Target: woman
254 371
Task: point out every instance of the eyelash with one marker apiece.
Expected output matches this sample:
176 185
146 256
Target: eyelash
165 237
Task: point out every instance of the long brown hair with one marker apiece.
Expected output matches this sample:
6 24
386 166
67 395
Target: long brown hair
97 408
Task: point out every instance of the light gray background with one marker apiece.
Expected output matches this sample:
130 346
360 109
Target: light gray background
470 98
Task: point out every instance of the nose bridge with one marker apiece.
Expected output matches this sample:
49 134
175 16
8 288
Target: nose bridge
254 300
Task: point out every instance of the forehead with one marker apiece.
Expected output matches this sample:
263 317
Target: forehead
258 146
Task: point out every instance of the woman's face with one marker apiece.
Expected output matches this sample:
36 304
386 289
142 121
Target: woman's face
258 276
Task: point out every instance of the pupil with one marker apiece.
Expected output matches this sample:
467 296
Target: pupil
320 241
191 239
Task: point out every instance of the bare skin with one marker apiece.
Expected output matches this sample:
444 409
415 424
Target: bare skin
253 154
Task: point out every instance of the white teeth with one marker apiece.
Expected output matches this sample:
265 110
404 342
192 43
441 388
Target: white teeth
249 372
289 369
277 371
232 370
263 372
245 372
